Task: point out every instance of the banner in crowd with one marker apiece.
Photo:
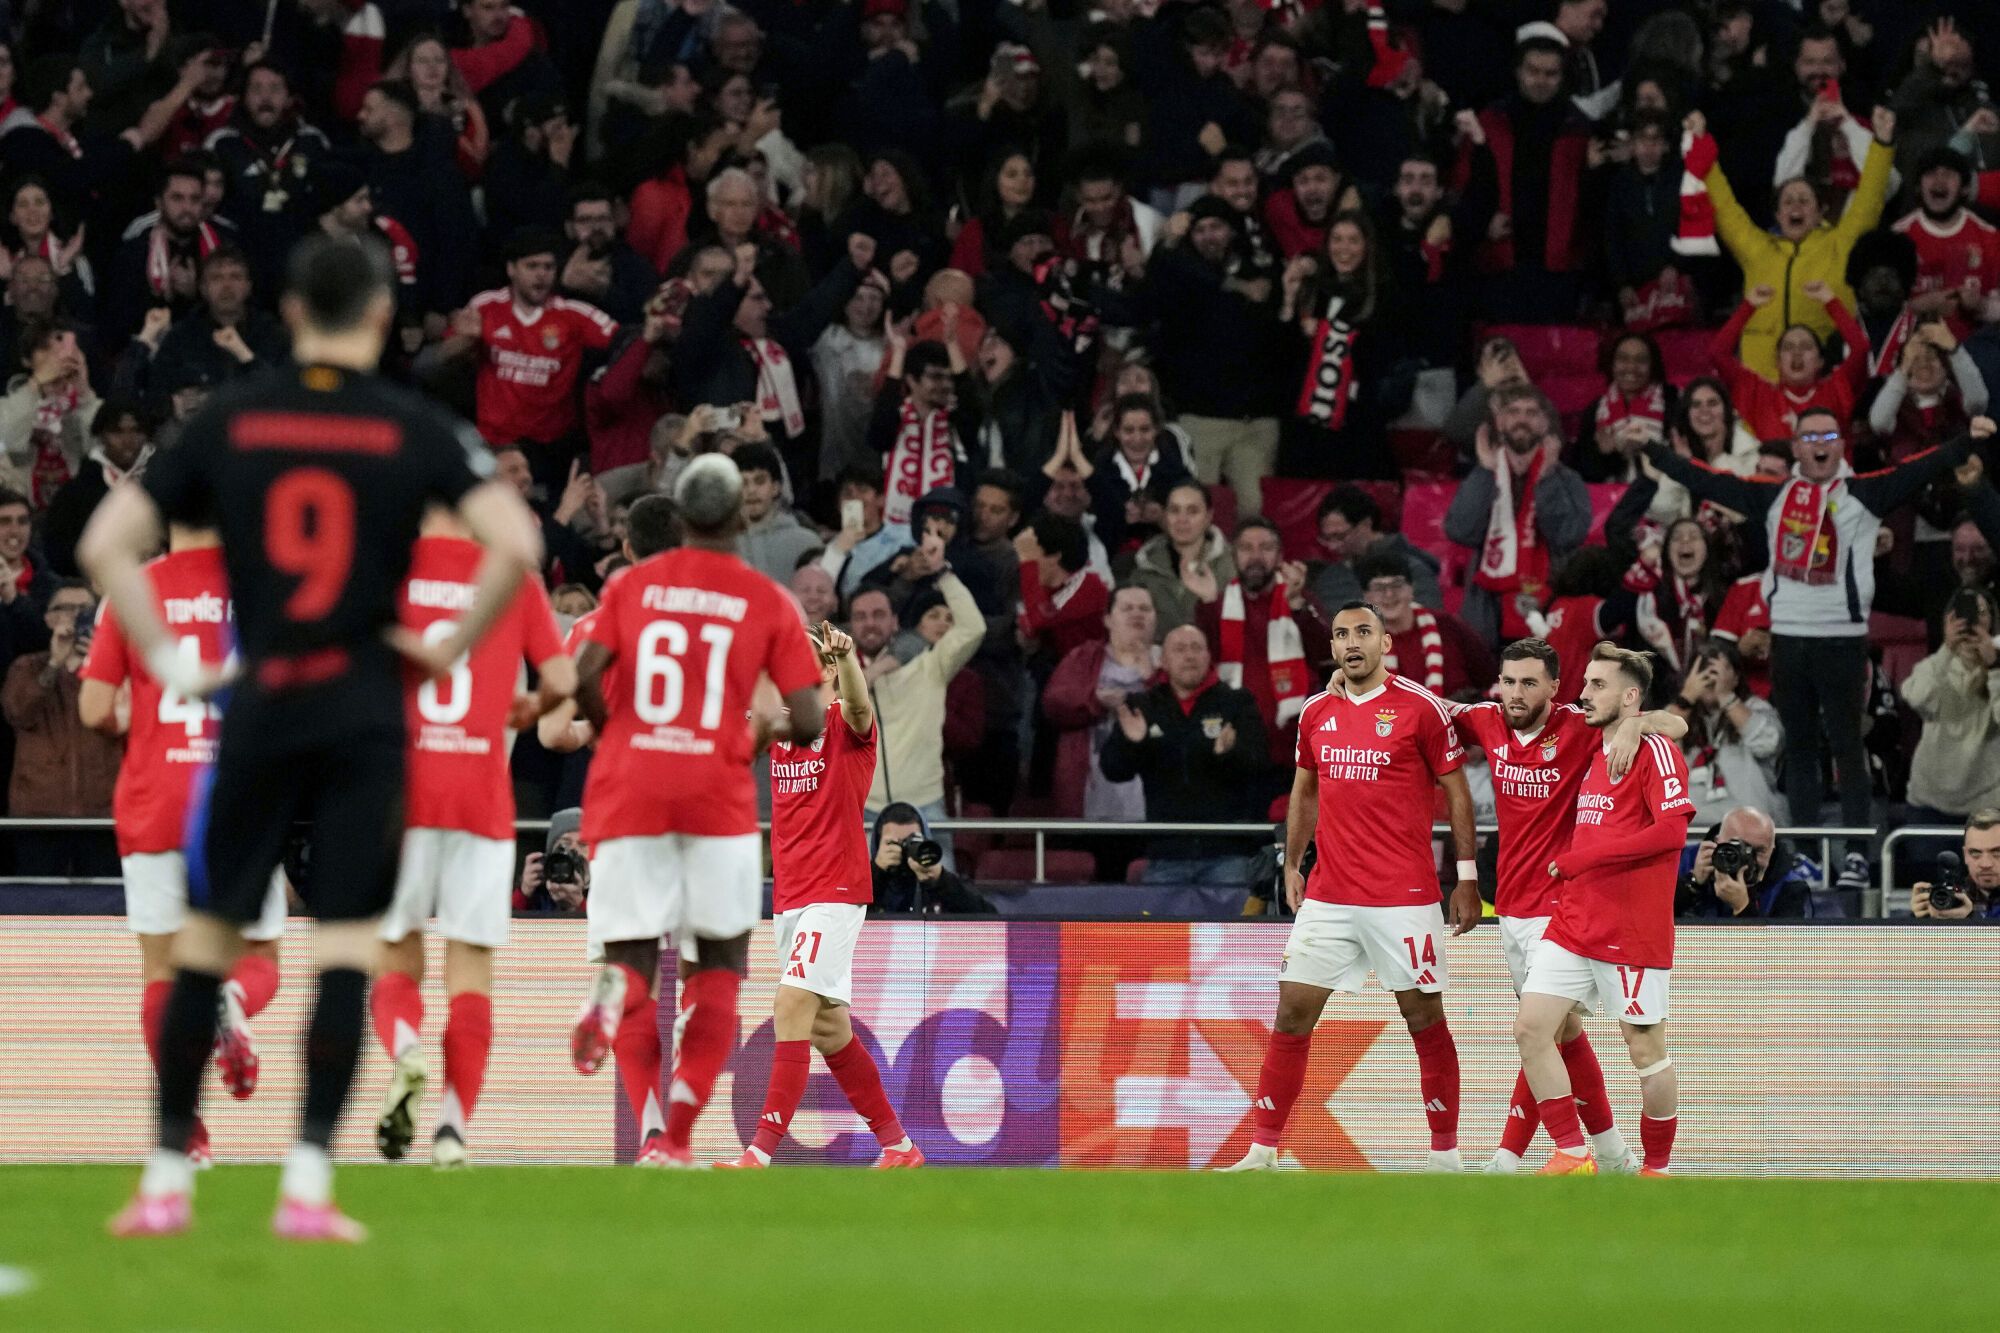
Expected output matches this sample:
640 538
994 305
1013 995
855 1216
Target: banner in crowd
1801 1050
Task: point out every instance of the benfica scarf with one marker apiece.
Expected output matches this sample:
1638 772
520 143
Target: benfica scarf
70 143
1432 642
1614 407
1671 617
1696 235
774 224
1284 650
1389 61
1074 317
1329 385
1513 560
1885 358
777 385
160 264
1808 546
919 462
50 472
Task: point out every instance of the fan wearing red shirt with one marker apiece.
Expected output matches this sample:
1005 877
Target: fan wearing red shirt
533 345
458 836
669 810
1369 754
822 883
1745 620
1538 750
169 744
1612 938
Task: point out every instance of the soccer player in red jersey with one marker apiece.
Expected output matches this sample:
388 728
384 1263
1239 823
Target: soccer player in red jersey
669 810
458 837
1538 750
823 883
170 741
1612 937
1368 758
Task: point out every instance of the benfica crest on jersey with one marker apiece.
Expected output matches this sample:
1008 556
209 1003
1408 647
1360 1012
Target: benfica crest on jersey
1385 722
552 338
1548 749
819 743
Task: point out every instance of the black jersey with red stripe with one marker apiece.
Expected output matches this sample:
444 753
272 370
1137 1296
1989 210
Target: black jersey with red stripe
318 478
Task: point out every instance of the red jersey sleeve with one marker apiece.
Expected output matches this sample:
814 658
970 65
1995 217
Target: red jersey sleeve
108 662
601 626
540 638
789 660
592 325
1442 750
1667 780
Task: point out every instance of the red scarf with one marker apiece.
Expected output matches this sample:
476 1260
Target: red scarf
921 460
64 137
777 226
1514 561
1883 359
1431 640
159 264
1808 546
1650 405
50 471
777 386
1284 649
1329 385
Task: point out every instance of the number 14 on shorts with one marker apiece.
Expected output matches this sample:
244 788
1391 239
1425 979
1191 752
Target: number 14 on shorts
1429 956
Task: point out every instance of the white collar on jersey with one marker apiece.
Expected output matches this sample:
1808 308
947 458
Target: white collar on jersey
529 314
1364 698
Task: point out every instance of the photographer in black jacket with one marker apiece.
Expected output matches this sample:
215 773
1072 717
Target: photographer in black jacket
1971 888
910 875
1739 870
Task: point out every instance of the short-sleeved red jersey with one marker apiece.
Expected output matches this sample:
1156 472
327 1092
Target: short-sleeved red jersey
1624 913
1378 756
458 723
819 846
1535 781
691 630
170 738
1949 256
526 388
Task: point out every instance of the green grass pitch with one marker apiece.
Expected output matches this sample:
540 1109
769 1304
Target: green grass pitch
508 1248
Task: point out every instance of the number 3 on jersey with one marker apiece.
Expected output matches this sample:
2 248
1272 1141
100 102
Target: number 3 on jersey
445 703
659 684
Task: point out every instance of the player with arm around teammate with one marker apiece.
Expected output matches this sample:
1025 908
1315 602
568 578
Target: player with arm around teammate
1368 758
823 884
1612 936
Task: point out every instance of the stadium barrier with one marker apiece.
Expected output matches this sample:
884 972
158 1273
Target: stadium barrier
1802 1050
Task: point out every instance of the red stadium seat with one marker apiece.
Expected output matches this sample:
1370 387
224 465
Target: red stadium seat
1905 641
1293 505
1604 497
1222 505
1686 354
1017 864
1425 451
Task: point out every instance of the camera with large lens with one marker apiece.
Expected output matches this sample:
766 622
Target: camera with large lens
564 865
1950 882
921 851
1734 858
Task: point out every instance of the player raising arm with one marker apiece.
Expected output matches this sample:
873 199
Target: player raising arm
669 809
319 474
823 884
1368 759
1612 937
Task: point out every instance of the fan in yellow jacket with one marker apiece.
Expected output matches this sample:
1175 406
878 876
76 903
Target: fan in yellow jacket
1806 248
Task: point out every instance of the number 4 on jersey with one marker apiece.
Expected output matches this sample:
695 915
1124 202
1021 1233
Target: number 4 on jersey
193 714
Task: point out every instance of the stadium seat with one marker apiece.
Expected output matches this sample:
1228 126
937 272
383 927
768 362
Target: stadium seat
1604 497
1904 640
1018 864
1222 505
1136 872
1562 361
1426 451
1293 504
1686 354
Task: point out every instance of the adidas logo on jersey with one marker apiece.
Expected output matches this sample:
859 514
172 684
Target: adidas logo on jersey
503 332
1634 1010
1331 724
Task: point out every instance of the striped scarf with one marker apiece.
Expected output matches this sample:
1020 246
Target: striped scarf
1432 640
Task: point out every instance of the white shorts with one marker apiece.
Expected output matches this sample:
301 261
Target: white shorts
1518 937
156 895
816 948
1334 946
676 884
462 879
1635 995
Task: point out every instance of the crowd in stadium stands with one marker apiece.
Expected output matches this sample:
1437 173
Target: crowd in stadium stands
1083 359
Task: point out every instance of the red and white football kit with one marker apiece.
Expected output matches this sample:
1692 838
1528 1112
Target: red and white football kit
1536 776
526 388
1744 609
669 809
822 879
171 740
1951 254
1612 938
1372 898
458 840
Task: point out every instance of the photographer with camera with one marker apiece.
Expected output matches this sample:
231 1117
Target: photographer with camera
557 880
1739 870
910 874
62 769
1968 884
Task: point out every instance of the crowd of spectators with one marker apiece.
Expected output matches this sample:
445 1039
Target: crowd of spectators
1083 360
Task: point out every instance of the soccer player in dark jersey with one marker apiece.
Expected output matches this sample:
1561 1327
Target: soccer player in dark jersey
318 475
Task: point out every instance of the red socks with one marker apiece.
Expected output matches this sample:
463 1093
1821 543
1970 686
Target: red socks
256 980
1586 1082
791 1062
1437 1078
1559 1114
1524 1117
468 1037
152 1009
395 1002
708 1005
1656 1137
1278 1085
854 1069
637 1047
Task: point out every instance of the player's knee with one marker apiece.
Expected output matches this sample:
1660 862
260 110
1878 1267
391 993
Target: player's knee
1572 1028
1420 1010
344 944
731 954
1530 1031
642 956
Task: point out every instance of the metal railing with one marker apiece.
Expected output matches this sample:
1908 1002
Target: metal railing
1877 901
